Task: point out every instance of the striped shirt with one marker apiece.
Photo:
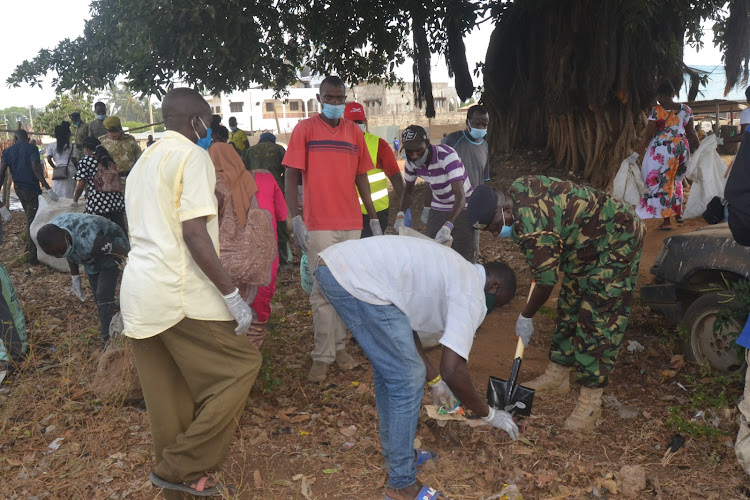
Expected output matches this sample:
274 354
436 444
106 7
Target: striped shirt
444 167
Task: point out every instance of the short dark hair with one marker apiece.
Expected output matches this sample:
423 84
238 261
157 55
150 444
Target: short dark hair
477 108
503 274
48 235
221 133
22 135
333 81
232 118
99 103
665 88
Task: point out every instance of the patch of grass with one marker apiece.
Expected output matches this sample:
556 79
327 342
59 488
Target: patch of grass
267 381
673 337
679 423
547 312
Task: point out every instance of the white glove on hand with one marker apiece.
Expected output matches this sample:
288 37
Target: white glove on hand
425 214
442 395
633 158
5 214
52 195
524 329
242 313
375 227
719 141
443 235
76 287
300 233
502 420
400 221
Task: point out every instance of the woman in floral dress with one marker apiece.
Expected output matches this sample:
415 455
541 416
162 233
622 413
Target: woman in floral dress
667 142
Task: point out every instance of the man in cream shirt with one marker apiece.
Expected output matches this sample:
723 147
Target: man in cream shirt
180 308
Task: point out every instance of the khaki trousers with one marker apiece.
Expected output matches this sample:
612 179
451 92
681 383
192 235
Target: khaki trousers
330 331
196 377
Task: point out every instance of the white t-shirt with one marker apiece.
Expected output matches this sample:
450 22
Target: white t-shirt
436 288
745 117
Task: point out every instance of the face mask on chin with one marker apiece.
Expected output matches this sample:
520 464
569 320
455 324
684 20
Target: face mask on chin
422 159
234 129
101 117
205 141
506 231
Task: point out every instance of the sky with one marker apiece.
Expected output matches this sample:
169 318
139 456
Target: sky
66 20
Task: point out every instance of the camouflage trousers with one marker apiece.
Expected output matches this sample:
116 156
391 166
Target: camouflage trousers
594 306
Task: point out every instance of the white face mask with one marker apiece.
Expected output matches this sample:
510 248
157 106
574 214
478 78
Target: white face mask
196 132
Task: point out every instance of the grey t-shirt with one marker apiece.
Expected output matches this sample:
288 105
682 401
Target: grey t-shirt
475 156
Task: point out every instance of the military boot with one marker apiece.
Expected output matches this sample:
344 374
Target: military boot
555 380
587 411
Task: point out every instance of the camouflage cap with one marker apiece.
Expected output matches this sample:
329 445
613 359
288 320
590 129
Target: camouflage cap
112 123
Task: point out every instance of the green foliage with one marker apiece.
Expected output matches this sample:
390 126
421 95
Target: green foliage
59 109
673 337
267 381
10 117
677 422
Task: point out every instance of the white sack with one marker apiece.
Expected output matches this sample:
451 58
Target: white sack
628 185
706 169
48 210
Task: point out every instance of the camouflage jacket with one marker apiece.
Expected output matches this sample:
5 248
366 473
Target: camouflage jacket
266 155
563 226
125 151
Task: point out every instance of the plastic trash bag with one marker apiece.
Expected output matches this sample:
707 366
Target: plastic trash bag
306 279
48 210
628 185
706 169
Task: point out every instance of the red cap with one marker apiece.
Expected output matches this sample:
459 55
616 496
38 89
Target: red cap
355 112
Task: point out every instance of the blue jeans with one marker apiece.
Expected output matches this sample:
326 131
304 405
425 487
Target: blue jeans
386 337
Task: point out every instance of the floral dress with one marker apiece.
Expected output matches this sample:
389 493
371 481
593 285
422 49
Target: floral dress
664 164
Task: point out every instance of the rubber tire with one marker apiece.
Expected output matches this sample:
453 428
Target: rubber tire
699 323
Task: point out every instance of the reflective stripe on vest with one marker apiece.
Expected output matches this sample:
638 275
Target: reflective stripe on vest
376 177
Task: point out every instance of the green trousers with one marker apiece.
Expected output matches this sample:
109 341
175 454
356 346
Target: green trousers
196 377
594 306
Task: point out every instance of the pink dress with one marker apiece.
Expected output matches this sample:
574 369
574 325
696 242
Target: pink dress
270 198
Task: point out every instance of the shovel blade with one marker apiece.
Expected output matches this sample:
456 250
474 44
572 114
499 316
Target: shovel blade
499 396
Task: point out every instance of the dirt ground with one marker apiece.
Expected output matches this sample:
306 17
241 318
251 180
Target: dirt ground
298 440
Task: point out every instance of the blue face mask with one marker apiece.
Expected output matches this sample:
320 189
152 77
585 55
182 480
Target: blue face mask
234 129
101 117
506 230
333 111
206 141
477 133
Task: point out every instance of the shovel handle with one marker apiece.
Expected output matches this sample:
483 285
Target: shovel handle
519 349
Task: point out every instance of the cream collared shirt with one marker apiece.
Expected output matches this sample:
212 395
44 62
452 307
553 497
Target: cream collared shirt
172 182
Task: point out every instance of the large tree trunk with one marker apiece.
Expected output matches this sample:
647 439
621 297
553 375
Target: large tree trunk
572 77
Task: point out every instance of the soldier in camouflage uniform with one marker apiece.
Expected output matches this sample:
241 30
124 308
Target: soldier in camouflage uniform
595 242
122 147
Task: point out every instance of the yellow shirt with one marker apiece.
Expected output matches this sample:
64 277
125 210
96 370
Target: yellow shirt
238 138
172 182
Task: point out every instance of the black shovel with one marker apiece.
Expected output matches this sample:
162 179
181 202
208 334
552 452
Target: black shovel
507 394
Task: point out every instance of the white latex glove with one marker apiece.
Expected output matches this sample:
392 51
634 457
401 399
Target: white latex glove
443 235
524 329
502 420
442 395
240 310
400 221
300 233
76 287
5 214
633 158
425 214
52 195
719 141
375 227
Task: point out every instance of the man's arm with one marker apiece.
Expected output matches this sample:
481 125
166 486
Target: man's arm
538 297
3 170
363 185
454 372
196 237
51 161
458 192
431 372
291 185
397 181
36 168
406 196
73 268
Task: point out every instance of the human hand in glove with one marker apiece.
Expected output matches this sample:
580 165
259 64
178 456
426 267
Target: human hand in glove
444 234
425 215
400 221
5 214
524 329
76 287
633 158
241 312
442 395
719 141
300 233
502 420
375 228
52 195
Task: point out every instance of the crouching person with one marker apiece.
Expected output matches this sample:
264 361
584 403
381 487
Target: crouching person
97 243
427 287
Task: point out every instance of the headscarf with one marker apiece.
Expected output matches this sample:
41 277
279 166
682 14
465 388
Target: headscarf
231 171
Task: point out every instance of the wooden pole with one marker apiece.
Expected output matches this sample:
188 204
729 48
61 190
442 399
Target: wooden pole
276 116
151 115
